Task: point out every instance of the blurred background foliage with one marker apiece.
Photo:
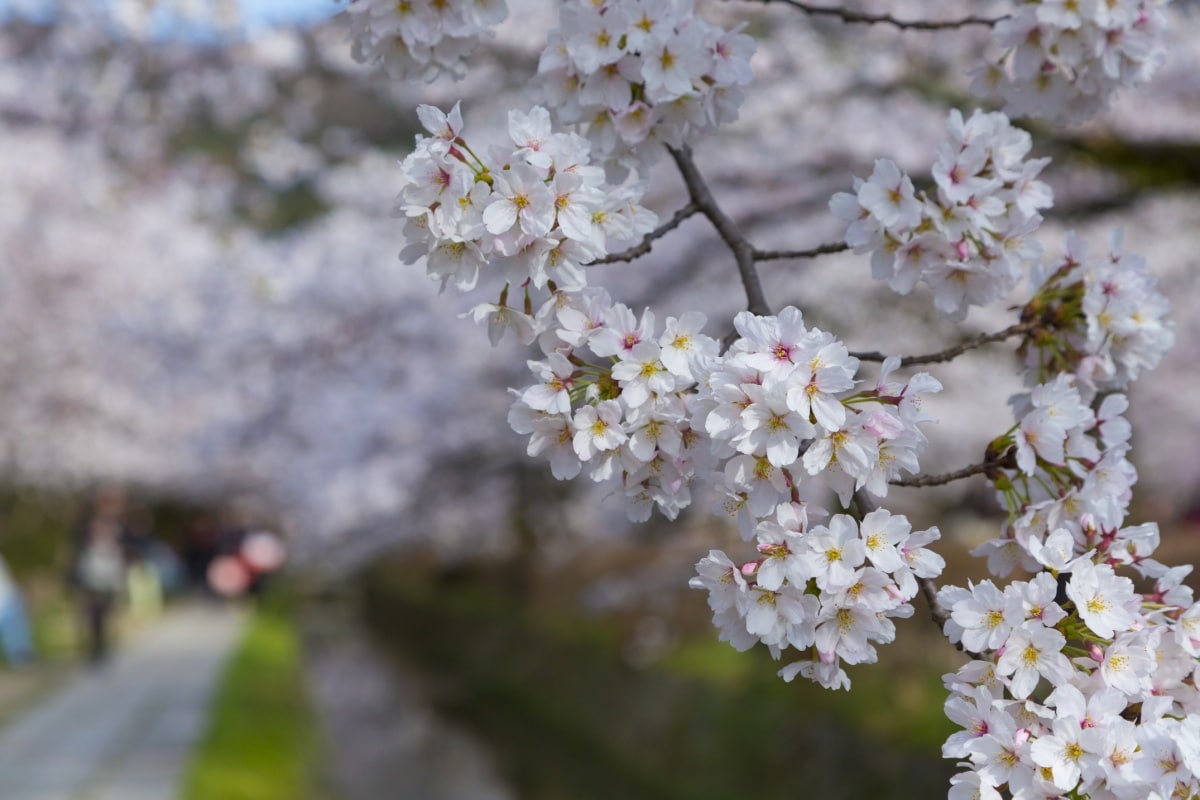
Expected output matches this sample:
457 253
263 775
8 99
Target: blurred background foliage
561 638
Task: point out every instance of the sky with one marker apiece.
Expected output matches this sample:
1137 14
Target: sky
274 12
256 14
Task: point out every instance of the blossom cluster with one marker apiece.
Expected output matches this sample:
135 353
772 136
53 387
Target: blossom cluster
1063 60
1110 316
830 592
1080 686
526 217
781 402
652 411
1065 465
639 73
1069 472
969 241
421 38
615 393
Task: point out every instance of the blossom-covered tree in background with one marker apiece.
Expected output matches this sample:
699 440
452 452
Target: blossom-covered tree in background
769 408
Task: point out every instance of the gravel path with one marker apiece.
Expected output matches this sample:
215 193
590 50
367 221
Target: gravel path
124 731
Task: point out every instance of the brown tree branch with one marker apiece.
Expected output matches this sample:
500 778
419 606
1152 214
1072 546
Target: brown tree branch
845 15
952 353
941 616
643 247
821 250
949 477
743 251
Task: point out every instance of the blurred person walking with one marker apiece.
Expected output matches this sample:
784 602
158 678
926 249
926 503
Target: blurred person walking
103 545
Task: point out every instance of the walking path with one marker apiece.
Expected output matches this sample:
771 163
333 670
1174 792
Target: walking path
126 730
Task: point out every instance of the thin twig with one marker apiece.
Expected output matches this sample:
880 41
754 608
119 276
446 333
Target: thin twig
743 251
845 15
952 353
643 247
822 250
949 477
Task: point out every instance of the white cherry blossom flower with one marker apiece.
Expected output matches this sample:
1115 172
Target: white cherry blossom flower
1102 598
520 196
889 197
597 429
642 375
987 617
1031 653
771 426
835 553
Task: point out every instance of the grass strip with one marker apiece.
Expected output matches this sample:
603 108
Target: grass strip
262 736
